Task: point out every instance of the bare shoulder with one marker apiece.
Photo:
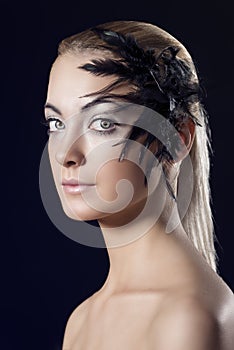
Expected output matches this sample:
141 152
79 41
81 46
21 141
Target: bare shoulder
186 322
74 323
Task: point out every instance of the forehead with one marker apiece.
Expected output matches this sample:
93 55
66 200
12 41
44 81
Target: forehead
68 83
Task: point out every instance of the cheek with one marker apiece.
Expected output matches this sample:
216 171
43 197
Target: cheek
56 169
114 171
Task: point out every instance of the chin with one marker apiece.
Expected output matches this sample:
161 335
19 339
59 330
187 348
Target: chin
82 212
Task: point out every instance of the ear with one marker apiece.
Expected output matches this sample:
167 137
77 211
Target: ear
187 134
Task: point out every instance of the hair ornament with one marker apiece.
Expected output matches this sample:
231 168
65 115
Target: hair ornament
162 82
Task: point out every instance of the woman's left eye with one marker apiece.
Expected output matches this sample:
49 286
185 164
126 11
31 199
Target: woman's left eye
103 125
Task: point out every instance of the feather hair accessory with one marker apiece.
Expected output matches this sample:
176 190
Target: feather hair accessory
168 76
163 83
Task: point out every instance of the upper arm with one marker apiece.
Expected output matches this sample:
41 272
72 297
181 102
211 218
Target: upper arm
73 325
189 327
69 330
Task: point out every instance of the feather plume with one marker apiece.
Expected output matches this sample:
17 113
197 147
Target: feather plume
163 83
107 67
127 47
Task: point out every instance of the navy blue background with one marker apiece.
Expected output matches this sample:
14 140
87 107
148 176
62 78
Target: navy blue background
45 275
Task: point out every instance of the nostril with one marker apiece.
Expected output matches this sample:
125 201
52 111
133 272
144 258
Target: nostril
72 158
75 162
70 163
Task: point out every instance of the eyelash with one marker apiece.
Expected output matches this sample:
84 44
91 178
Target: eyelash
47 123
98 132
104 132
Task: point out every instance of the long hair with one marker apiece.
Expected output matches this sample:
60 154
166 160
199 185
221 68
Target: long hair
198 221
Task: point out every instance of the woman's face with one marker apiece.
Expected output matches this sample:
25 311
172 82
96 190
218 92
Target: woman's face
91 182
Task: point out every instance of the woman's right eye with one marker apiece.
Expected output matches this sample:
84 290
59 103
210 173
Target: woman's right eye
54 124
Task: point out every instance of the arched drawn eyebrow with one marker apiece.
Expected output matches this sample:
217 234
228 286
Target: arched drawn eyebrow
94 102
55 109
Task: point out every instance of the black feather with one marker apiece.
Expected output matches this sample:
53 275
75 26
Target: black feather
163 83
127 47
108 67
135 63
166 76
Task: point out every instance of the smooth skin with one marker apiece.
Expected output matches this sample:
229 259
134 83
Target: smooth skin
160 293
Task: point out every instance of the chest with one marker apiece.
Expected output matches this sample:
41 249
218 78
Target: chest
114 327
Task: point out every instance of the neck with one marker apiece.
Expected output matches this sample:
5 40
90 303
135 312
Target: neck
142 249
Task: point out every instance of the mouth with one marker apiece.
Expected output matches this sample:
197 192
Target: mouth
72 186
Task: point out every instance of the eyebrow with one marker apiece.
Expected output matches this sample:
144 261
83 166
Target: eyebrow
55 109
96 101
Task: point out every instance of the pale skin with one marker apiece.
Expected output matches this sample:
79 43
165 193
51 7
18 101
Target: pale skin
160 293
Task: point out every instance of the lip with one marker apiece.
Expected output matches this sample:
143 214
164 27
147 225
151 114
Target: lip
72 186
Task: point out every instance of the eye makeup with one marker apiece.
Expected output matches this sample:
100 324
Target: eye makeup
98 123
53 124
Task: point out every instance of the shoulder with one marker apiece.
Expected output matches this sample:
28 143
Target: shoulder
74 323
186 324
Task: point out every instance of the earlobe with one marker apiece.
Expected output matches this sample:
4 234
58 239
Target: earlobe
186 135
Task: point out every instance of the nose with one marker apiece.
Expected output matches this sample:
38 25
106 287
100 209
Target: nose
70 156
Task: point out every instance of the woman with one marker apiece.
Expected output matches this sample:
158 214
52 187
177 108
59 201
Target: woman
129 147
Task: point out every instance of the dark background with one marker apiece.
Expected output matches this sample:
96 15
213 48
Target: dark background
44 274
